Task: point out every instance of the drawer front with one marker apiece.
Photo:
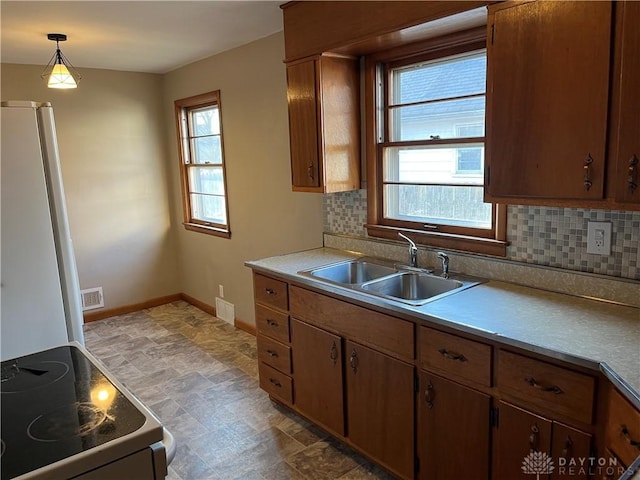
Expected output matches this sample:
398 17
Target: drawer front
623 429
276 383
274 353
272 324
450 354
549 387
389 334
270 291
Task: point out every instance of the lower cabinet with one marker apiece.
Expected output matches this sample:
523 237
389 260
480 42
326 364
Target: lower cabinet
453 430
528 444
378 390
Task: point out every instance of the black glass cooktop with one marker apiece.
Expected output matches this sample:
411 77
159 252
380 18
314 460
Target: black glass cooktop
56 404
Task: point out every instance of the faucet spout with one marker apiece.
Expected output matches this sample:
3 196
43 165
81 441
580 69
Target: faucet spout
444 258
413 250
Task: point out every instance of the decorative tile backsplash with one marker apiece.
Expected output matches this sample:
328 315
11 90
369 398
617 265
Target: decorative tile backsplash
554 237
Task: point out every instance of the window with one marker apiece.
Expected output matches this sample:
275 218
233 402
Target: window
204 189
427 159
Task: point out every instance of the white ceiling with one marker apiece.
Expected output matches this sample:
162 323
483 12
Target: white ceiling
143 36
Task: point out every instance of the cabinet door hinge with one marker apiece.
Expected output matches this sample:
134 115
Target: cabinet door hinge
494 417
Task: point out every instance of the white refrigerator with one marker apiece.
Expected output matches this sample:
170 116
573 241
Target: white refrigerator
40 305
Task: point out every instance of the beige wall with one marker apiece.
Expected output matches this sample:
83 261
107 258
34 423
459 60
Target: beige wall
111 140
266 218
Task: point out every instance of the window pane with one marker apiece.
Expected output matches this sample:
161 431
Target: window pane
206 180
208 208
207 150
440 204
452 77
205 121
435 164
439 119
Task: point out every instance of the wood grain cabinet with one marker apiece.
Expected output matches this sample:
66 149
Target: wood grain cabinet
324 123
547 100
622 432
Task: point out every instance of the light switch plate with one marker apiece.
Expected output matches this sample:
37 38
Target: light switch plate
599 238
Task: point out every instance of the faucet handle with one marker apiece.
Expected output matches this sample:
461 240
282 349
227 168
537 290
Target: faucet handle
445 263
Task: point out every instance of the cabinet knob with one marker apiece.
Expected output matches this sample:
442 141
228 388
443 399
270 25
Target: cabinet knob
275 383
568 443
533 438
632 173
333 352
587 172
271 353
272 323
353 361
271 292
310 171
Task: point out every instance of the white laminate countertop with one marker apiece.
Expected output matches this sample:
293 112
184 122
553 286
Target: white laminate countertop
587 332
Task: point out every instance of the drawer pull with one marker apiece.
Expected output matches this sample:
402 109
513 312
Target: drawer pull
452 356
568 443
272 323
353 361
270 291
625 433
545 388
632 173
587 172
428 395
333 353
275 383
533 438
272 353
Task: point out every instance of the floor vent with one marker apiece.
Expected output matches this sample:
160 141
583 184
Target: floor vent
225 311
92 298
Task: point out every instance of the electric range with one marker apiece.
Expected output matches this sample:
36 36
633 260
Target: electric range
64 417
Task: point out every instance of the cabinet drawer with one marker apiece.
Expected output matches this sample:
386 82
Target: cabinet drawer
623 429
272 324
270 291
276 383
450 354
274 353
389 334
555 390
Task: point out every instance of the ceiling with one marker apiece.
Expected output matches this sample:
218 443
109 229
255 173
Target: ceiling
143 36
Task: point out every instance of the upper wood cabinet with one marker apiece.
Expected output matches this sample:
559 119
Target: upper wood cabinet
324 123
547 100
627 106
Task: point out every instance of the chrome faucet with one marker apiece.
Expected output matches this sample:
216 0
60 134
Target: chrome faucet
413 250
444 258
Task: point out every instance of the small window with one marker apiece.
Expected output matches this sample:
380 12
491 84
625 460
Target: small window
428 159
202 164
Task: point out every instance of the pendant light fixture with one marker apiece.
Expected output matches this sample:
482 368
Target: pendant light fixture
59 73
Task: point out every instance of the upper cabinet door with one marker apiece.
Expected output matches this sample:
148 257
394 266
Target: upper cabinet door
627 176
547 100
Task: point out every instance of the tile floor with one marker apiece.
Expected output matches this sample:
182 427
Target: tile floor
199 375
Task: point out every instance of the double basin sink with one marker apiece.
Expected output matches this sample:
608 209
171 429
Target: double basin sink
378 277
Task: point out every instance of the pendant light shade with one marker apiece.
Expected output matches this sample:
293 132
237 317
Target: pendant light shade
59 73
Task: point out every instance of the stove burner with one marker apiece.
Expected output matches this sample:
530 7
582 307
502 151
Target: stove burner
20 377
75 420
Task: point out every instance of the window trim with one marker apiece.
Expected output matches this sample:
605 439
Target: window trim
181 106
493 244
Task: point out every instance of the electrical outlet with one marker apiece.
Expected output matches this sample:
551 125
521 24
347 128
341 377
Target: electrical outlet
599 238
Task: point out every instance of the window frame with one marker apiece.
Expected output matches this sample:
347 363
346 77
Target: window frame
483 241
182 108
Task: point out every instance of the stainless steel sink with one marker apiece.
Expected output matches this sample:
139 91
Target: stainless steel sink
412 287
352 272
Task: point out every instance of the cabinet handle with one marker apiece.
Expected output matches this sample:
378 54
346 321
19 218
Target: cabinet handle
272 323
568 444
275 383
333 352
533 438
353 361
272 353
452 356
428 395
625 433
587 172
270 291
545 388
632 173
310 171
